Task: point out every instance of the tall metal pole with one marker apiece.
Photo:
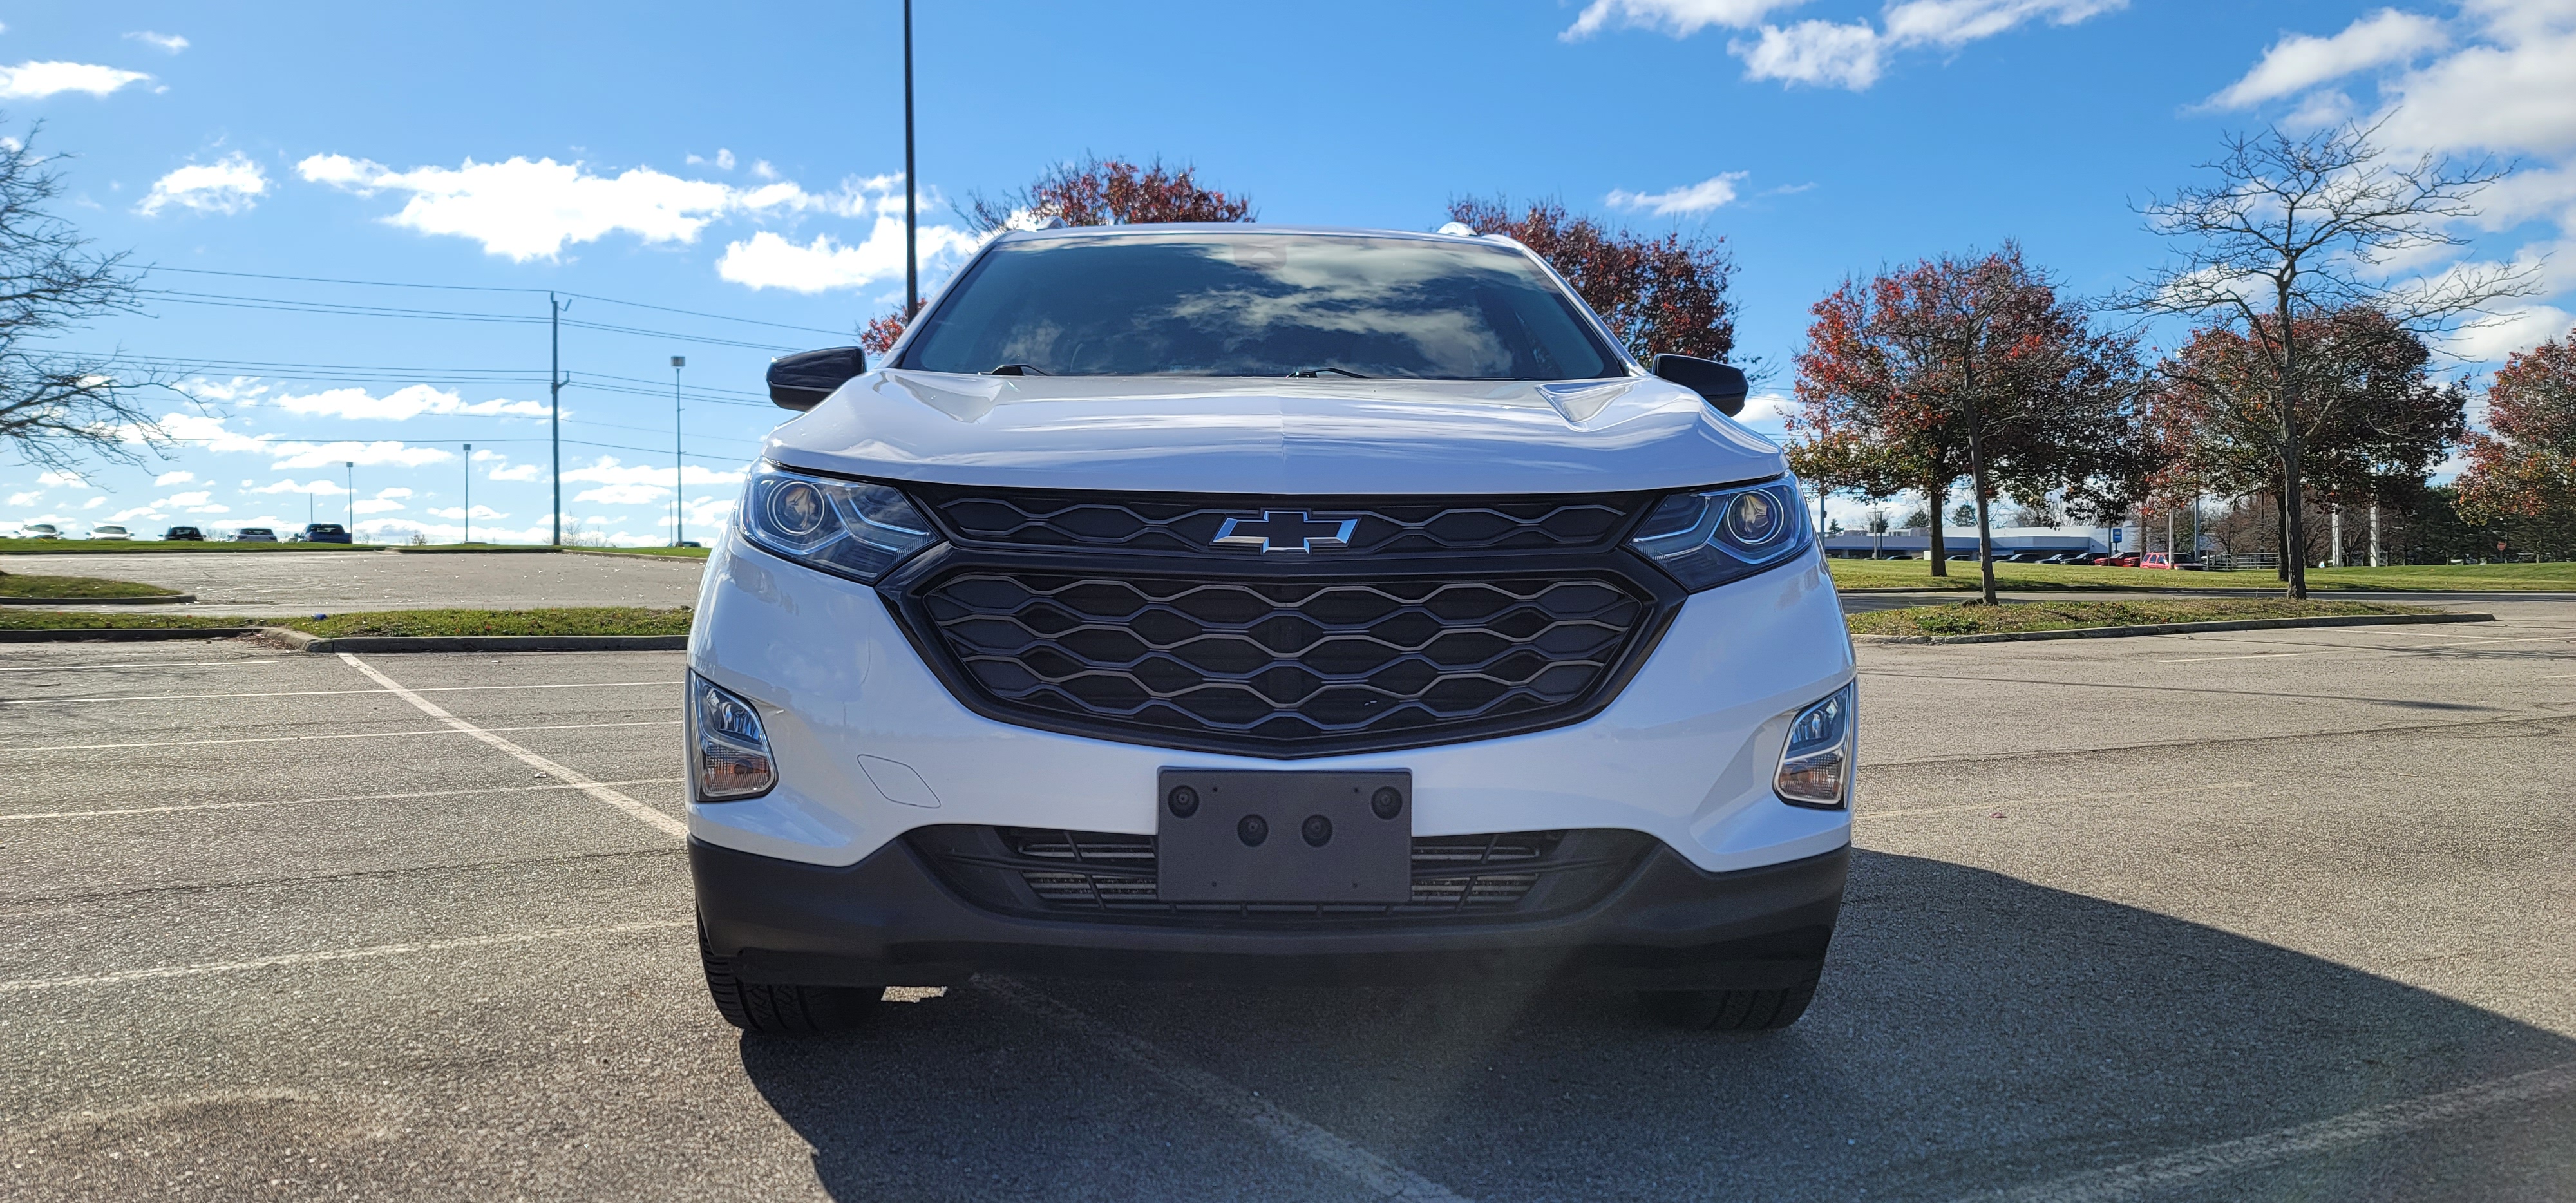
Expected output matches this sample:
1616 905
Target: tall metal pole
677 362
353 498
554 402
911 256
469 492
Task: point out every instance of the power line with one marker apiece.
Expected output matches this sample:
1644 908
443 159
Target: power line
752 321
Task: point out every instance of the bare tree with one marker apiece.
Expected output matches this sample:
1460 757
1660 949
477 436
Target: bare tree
56 407
2294 227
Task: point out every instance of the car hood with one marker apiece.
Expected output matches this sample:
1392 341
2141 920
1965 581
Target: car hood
1273 436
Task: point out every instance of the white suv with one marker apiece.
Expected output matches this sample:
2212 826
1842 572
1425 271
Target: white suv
1257 604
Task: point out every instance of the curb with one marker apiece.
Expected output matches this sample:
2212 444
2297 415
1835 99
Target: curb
2181 628
632 555
120 634
503 549
303 641
165 599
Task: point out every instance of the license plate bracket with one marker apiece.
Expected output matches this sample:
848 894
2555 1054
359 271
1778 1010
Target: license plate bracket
1250 835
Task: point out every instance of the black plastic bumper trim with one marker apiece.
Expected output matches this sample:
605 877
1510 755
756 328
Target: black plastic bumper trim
889 921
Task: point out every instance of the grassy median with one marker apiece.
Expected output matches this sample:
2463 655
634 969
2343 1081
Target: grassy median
2470 578
24 584
584 620
2071 615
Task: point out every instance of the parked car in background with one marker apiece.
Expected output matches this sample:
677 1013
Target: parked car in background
40 530
326 532
2166 560
183 534
2117 560
2069 557
110 530
254 534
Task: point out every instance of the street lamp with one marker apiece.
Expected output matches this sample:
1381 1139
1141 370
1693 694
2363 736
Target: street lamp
352 465
469 492
677 362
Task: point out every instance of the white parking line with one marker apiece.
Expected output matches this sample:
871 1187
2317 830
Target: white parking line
2176 1170
1276 1122
319 693
646 814
204 968
419 794
64 668
1997 804
290 739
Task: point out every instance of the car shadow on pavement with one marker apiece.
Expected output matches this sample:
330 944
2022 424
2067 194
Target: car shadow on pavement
1974 1031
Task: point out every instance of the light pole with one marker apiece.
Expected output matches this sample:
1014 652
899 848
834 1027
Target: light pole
352 465
911 260
469 492
677 362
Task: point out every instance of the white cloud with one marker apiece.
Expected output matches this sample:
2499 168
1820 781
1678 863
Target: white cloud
2302 61
623 494
174 478
25 498
1813 52
1830 53
384 494
239 388
723 160
185 499
458 512
210 509
1708 194
514 472
382 451
65 480
231 184
1680 18
378 506
170 43
767 260
608 471
35 81
140 511
402 404
94 503
323 487
2508 332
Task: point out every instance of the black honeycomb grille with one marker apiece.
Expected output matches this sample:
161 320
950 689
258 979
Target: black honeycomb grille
1284 663
1182 525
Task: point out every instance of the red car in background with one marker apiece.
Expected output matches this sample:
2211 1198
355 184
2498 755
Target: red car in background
2117 560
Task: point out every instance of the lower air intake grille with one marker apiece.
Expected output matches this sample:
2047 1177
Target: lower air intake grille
1517 874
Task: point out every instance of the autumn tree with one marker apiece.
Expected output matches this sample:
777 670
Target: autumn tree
57 407
2295 227
2380 422
1664 294
1091 192
2522 472
1970 366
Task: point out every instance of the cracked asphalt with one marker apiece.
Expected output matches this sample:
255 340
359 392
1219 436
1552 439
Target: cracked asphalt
2277 914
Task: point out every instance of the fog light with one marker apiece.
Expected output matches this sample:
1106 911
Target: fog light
731 751
1815 765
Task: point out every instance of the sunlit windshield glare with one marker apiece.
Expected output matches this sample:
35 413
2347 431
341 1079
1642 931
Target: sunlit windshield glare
1260 305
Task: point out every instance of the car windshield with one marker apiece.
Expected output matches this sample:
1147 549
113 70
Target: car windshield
1256 304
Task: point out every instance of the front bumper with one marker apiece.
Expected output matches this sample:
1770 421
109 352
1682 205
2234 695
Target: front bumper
889 920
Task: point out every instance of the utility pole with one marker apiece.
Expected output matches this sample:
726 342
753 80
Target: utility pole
353 498
469 492
677 362
911 257
555 381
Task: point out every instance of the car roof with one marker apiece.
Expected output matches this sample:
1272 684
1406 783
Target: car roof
1239 229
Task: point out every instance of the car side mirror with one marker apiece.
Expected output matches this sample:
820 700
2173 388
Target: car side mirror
801 381
1722 385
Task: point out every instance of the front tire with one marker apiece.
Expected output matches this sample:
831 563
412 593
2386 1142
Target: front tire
772 1010
1736 1010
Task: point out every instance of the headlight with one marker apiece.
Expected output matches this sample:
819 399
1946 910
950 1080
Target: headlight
1815 765
854 529
1707 539
729 751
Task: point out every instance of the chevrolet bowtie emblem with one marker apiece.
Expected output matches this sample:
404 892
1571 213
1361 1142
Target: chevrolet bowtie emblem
1286 530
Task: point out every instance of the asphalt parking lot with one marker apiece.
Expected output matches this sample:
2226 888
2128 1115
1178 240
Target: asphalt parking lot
331 582
2281 914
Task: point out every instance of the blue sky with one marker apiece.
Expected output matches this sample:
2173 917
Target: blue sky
748 166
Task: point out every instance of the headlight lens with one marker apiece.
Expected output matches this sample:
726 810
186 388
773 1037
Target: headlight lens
1707 539
1815 765
855 529
729 746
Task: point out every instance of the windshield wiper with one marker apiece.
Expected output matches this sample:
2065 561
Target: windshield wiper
1311 373
1015 369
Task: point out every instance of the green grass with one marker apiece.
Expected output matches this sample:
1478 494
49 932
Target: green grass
20 584
2070 615
56 547
1917 574
18 618
585 620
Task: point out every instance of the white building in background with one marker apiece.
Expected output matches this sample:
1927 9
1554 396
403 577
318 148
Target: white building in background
1958 540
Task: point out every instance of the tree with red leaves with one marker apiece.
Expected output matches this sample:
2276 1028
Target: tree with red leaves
1970 366
1093 192
2523 472
1663 294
